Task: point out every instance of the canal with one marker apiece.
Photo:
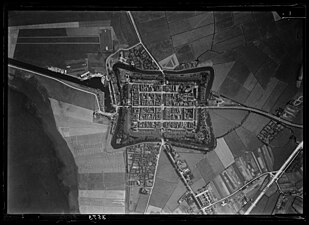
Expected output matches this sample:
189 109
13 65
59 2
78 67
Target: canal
94 83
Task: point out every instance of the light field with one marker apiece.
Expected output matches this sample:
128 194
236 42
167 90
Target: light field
77 123
87 141
222 188
153 210
68 110
133 195
224 153
119 195
101 162
64 93
93 209
78 131
101 181
142 203
101 201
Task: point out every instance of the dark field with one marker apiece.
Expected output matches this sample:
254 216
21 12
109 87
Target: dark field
124 29
38 180
55 55
52 55
28 40
17 18
42 32
268 202
161 192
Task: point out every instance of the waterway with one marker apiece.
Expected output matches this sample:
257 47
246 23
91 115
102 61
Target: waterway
152 72
42 174
94 83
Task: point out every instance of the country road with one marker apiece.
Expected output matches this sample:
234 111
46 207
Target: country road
258 111
222 199
277 176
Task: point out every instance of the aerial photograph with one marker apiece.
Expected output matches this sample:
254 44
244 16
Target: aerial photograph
154 112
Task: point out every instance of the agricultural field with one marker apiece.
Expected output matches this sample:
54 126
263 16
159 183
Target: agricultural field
132 196
75 125
47 55
198 183
166 181
142 203
153 210
124 29
256 59
268 202
110 202
172 203
220 124
225 120
221 72
210 166
76 22
102 181
221 186
63 109
166 170
214 191
224 153
98 171
64 93
161 192
101 162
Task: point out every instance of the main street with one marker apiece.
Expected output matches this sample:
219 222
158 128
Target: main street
246 108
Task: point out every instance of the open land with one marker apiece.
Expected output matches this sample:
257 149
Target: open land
254 61
49 157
